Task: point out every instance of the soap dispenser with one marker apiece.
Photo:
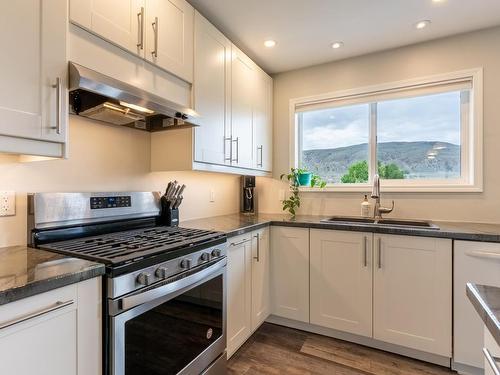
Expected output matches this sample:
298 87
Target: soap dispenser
365 207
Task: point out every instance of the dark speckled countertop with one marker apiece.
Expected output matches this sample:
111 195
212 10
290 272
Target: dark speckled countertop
486 301
25 272
236 224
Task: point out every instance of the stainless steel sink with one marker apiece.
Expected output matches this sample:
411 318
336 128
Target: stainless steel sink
399 223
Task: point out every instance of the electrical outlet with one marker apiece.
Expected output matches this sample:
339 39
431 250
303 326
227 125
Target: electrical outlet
7 203
212 196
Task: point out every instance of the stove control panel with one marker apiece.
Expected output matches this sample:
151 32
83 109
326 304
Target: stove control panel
110 202
136 280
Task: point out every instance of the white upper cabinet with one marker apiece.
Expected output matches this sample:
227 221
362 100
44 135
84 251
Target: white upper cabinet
412 294
211 92
120 22
341 280
243 88
33 99
169 36
262 117
160 31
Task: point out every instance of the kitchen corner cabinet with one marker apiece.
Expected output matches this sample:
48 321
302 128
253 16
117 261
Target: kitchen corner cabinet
234 99
248 286
412 292
160 31
33 99
290 273
341 280
53 333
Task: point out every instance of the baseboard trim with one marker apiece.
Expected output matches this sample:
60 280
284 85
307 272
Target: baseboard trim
466 369
366 341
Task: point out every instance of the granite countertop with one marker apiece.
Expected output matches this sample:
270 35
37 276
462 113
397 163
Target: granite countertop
236 224
486 301
25 272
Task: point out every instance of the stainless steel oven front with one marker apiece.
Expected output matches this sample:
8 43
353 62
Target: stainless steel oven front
174 326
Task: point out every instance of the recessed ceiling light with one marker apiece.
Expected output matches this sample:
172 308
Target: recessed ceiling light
438 1
422 24
337 45
269 43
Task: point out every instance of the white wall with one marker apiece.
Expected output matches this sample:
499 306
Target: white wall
472 50
107 158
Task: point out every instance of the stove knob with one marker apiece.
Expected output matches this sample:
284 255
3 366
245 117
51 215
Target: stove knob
144 278
205 257
186 264
216 253
161 272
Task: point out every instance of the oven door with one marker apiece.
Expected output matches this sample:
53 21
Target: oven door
177 326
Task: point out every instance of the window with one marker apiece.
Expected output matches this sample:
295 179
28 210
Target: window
420 135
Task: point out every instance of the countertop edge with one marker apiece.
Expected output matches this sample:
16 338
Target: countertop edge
46 285
484 311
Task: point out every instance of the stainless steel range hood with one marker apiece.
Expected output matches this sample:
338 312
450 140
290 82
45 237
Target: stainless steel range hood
100 97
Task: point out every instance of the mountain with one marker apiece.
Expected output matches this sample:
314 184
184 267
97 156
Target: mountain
426 159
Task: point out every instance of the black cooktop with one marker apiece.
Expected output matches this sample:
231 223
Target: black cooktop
118 248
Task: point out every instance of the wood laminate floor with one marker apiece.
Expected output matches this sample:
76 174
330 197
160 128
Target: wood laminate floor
274 349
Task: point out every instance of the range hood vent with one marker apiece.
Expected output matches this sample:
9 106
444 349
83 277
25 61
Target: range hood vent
100 97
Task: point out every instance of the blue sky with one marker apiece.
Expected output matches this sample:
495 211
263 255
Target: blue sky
430 118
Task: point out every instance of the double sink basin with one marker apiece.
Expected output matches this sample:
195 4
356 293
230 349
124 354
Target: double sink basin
397 223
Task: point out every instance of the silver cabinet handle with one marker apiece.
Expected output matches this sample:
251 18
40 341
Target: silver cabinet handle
239 242
58 88
491 361
57 306
237 140
379 243
261 147
155 29
140 20
365 250
483 254
257 258
230 158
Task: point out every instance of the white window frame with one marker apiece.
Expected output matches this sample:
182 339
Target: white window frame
471 133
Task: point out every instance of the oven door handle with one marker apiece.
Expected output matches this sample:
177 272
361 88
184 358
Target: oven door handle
165 289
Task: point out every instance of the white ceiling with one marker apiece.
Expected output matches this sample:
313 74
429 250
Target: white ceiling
305 29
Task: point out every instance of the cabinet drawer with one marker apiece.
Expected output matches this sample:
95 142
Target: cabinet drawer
34 309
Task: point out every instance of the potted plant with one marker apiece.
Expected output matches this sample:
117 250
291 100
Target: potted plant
296 178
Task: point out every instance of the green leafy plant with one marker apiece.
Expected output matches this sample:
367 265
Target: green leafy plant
293 202
358 172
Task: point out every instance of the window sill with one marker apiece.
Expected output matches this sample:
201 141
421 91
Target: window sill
395 189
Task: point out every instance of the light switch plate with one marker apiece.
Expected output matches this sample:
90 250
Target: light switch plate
212 196
7 203
282 195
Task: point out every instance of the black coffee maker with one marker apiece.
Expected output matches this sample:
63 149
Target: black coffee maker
247 195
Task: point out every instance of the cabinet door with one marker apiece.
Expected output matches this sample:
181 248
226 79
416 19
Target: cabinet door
476 262
33 74
211 92
242 103
42 337
290 273
412 292
239 293
341 280
263 121
170 36
260 277
118 21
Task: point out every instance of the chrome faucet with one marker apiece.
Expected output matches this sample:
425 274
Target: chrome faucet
379 210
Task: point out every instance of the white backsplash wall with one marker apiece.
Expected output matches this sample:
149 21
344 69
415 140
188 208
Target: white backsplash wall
459 52
107 158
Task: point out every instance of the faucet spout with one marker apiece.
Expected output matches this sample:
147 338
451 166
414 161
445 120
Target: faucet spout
376 186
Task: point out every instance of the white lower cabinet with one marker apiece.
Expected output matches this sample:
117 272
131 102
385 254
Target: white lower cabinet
54 333
341 280
290 273
261 303
247 285
412 292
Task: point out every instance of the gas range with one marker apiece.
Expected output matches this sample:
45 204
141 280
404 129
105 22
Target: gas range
158 278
